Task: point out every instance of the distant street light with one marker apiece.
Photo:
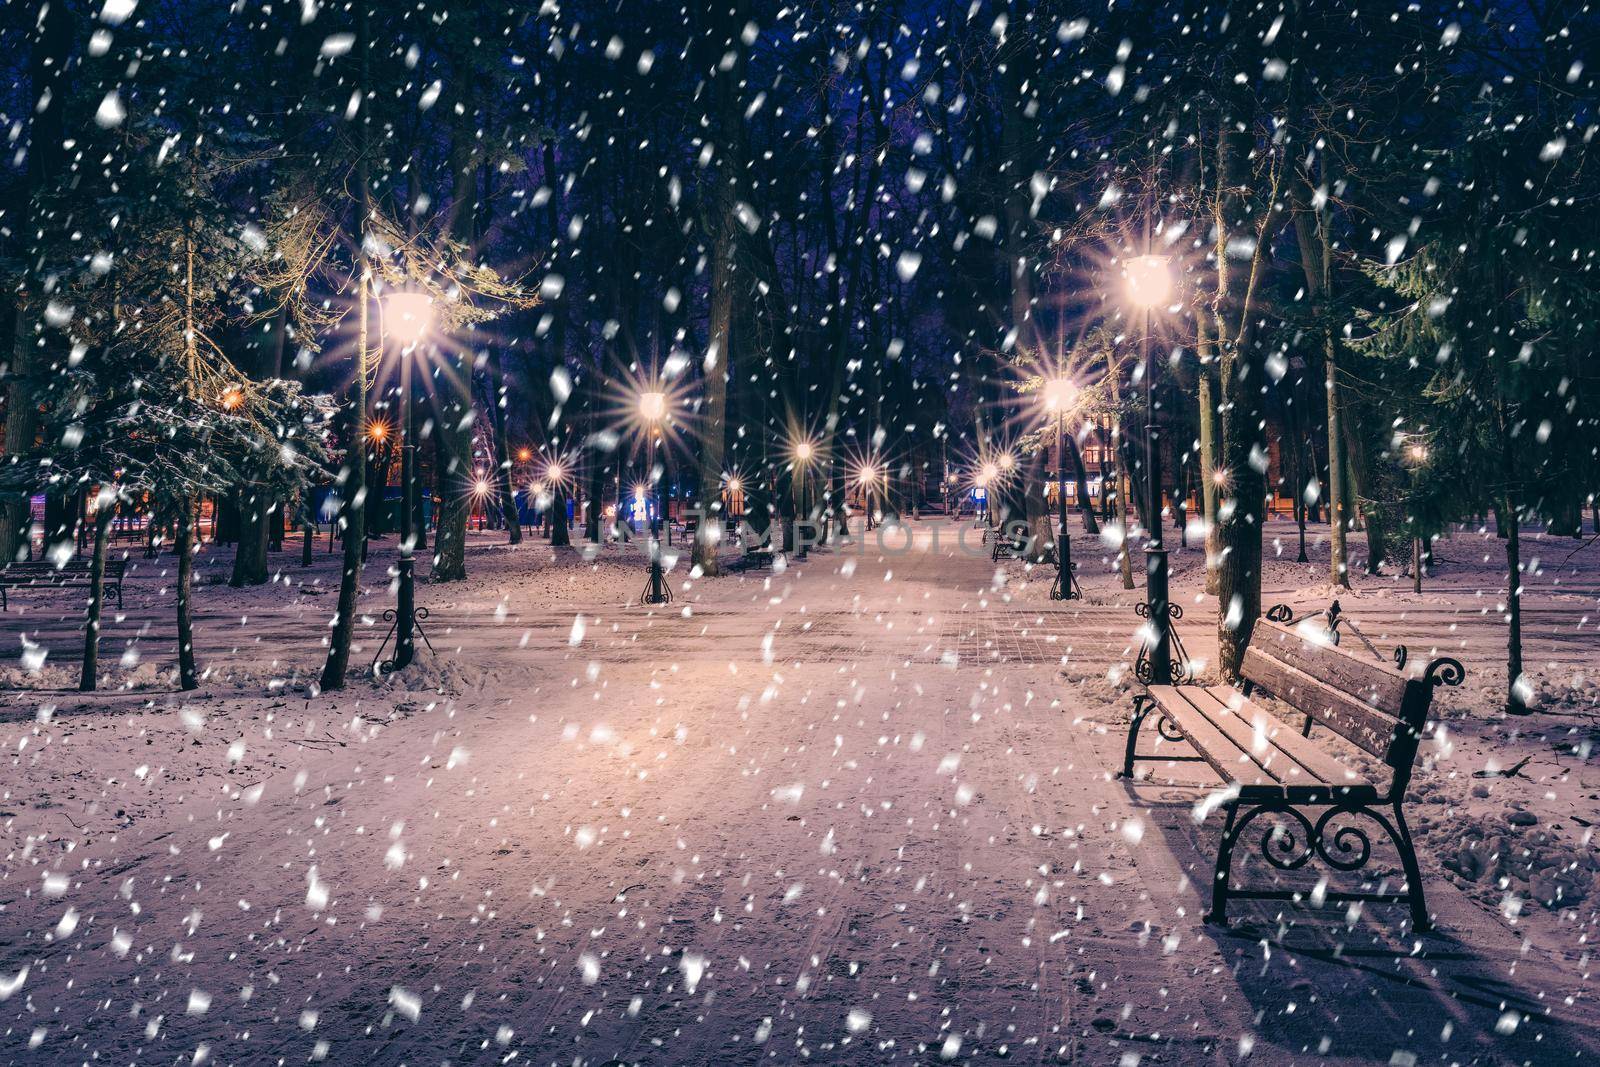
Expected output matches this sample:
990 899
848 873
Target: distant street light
1061 397
407 318
1416 459
1150 285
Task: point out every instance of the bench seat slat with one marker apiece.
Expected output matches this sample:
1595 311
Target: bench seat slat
1308 764
1230 761
1272 762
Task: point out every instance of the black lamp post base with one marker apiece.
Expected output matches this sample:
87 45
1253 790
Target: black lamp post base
1159 611
656 590
1066 586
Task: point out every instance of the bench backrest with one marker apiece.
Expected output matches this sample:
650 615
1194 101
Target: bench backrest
72 568
1371 704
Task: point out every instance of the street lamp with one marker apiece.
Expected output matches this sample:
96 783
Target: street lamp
804 450
867 476
653 410
406 319
1416 458
1149 285
1060 396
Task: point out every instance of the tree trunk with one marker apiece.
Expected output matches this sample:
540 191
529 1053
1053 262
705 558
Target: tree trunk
560 533
1123 482
1091 525
353 499
597 486
1510 522
250 559
1210 447
47 156
97 585
308 526
1239 576
188 677
453 453
502 450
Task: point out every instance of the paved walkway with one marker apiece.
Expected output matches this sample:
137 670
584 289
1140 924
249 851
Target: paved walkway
859 813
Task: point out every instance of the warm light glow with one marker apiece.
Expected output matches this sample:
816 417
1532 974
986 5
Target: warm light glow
1417 453
1007 461
555 473
408 317
867 474
653 406
378 431
481 487
524 454
1149 281
232 399
803 451
1060 394
988 473
735 483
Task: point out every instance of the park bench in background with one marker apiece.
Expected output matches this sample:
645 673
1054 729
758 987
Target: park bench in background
1007 546
73 574
1270 769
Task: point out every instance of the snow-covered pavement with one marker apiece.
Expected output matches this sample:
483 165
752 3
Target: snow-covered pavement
859 811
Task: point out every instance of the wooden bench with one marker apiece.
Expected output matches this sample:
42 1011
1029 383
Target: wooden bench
1320 807
1007 546
72 574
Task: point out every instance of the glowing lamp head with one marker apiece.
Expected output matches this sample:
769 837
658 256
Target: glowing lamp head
1417 453
735 483
867 474
988 473
653 406
232 399
1149 280
409 316
1007 461
524 454
555 474
1060 394
378 431
804 450
481 487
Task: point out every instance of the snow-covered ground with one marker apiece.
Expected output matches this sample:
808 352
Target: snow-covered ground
860 810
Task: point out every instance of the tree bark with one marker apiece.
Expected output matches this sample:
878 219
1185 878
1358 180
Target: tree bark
1243 444
719 359
502 449
1210 447
250 559
188 677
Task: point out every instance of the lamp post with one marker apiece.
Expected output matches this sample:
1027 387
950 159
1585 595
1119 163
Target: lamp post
1149 284
1416 458
804 451
1060 394
866 478
407 320
653 410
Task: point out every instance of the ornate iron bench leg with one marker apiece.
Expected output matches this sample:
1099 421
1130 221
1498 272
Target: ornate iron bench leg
1141 707
1219 885
1408 859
